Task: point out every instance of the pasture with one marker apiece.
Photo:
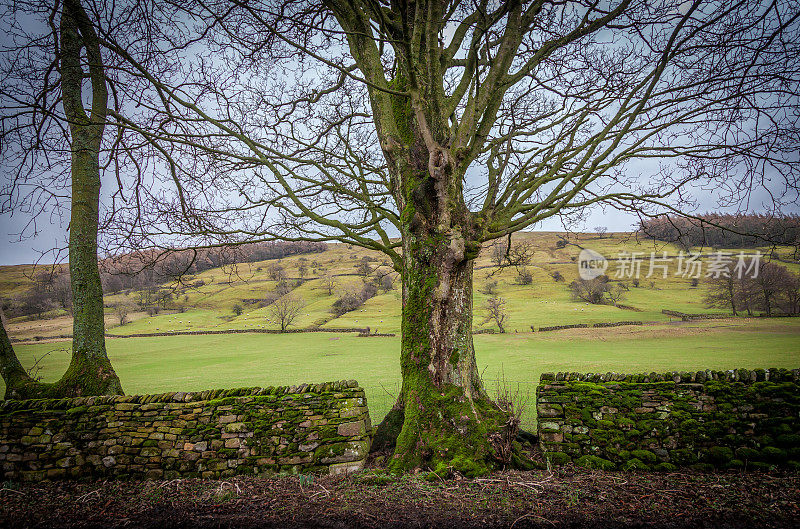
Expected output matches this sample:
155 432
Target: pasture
189 363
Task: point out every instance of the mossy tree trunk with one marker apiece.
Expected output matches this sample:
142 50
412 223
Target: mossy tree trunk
90 371
448 421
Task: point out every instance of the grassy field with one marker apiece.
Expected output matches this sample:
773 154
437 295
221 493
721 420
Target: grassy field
157 364
187 363
544 302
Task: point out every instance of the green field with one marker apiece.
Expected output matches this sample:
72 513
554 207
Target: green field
204 302
188 363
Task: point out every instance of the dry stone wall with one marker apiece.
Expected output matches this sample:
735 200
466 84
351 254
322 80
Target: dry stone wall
210 434
708 419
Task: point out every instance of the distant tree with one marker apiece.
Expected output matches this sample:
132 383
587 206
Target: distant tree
276 272
490 288
364 269
286 309
557 277
590 290
524 276
121 311
725 230
62 292
790 295
601 231
329 282
617 293
512 253
495 307
497 252
386 282
770 282
238 309
348 300
302 269
282 288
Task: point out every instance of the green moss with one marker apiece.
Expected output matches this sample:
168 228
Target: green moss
644 455
682 457
773 454
557 458
635 464
748 454
665 467
595 462
718 455
788 440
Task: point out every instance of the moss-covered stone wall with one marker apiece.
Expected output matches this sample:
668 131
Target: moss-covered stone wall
709 419
209 434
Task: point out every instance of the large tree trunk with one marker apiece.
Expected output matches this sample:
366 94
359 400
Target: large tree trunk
19 384
449 422
90 371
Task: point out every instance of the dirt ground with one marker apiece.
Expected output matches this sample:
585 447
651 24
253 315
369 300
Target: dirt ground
568 497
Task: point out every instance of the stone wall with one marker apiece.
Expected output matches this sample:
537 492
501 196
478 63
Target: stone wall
210 434
708 419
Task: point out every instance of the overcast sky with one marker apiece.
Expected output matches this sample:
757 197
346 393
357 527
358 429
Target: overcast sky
52 231
53 236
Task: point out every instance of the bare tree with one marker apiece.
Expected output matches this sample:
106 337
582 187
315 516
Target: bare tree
790 296
724 291
452 124
590 290
285 309
276 272
770 283
329 282
78 59
616 293
122 310
601 231
496 311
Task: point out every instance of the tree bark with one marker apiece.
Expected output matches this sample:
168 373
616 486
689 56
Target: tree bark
90 371
449 422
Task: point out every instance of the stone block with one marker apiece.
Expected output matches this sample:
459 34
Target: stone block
352 429
346 468
550 410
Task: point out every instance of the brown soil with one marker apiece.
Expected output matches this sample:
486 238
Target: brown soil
569 497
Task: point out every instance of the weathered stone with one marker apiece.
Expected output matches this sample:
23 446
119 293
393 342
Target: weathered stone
346 468
352 429
161 437
550 410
